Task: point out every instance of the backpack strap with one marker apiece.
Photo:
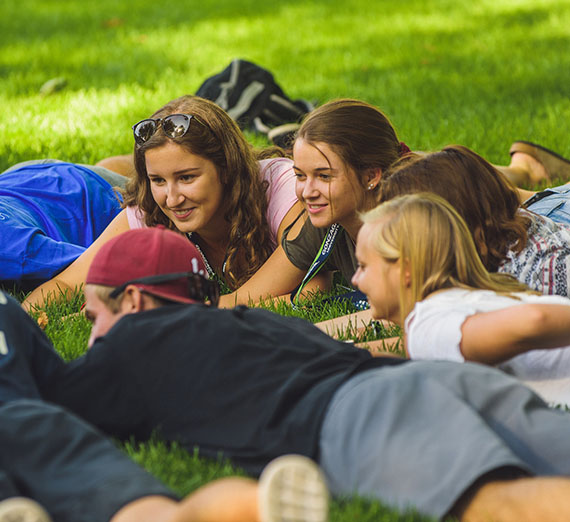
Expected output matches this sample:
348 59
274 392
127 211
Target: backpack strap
322 255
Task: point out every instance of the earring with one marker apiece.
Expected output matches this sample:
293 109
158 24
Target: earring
371 186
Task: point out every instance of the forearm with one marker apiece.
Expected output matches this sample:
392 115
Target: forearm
389 347
544 326
494 337
52 290
352 324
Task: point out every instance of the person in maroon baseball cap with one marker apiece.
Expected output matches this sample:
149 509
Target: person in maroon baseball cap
72 472
143 269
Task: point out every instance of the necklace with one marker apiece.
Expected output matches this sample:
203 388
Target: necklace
211 272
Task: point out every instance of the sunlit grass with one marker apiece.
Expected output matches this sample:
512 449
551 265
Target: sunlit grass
482 74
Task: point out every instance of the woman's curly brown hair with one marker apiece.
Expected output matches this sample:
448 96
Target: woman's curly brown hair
219 140
474 187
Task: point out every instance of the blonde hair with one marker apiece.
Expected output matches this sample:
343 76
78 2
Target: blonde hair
103 293
433 242
113 304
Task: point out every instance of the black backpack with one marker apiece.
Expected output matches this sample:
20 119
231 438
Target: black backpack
249 94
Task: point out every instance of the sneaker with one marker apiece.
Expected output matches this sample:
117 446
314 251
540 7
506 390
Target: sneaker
292 488
21 509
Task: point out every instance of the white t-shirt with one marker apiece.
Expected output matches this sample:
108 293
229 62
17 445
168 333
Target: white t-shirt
280 194
433 331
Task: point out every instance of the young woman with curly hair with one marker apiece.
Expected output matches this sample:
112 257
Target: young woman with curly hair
196 173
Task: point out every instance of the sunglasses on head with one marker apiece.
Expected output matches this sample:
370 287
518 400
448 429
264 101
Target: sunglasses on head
199 288
173 126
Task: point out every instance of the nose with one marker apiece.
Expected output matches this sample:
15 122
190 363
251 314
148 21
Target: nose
309 188
173 195
355 278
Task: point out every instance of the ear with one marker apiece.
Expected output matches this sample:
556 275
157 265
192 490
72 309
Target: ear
372 178
133 300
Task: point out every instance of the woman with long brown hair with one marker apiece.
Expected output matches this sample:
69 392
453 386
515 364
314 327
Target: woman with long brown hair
197 174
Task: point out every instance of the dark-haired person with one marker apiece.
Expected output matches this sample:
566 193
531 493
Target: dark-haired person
509 239
197 174
341 152
251 385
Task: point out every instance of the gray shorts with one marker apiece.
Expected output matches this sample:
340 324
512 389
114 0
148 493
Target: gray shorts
114 179
421 433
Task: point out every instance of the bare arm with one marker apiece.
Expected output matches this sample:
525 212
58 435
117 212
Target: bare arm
494 337
389 347
74 275
354 323
277 277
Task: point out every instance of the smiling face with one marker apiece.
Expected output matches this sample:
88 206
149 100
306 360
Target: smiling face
377 277
187 188
328 188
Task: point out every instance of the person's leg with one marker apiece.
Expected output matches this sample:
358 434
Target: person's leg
123 164
553 203
68 467
223 500
388 432
520 500
78 475
532 164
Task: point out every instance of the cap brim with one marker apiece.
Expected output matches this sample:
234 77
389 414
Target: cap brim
154 291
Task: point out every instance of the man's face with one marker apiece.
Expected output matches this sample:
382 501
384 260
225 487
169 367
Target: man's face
101 318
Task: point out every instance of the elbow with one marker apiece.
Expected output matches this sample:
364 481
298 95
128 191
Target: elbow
533 325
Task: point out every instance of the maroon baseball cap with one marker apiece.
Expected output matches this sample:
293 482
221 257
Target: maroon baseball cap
145 252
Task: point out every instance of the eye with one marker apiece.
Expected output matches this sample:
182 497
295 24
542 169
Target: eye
89 316
187 178
156 180
325 177
300 176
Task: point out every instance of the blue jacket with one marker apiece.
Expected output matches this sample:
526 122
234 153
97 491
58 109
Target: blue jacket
49 214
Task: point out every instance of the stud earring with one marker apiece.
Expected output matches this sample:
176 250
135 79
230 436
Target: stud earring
371 186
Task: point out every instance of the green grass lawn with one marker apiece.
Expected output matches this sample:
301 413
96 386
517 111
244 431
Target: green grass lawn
481 74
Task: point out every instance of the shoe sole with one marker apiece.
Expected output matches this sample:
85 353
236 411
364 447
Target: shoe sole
21 509
292 488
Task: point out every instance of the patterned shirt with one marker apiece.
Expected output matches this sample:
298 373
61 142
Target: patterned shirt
544 262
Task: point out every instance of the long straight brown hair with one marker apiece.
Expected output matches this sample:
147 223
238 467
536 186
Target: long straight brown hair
475 188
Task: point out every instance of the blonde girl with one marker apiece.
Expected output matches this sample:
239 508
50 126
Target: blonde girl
420 269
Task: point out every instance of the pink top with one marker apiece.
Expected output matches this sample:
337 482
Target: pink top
280 194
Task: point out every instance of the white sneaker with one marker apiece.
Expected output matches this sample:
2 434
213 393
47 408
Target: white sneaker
292 488
22 509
